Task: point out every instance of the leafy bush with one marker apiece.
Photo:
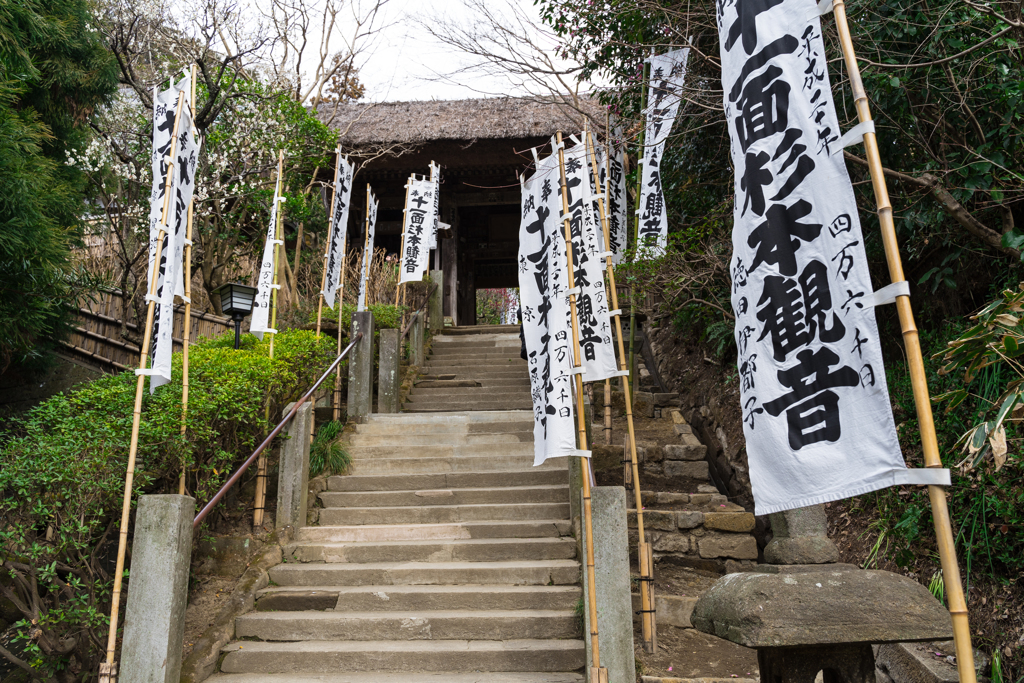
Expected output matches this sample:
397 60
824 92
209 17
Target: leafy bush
62 476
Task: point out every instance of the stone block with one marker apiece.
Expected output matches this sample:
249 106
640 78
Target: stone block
605 457
653 453
700 498
914 663
683 429
820 608
677 417
666 400
672 542
435 310
670 498
682 452
686 469
739 522
154 624
689 519
293 471
389 373
611 577
643 403
800 537
416 355
661 520
360 368
735 546
672 610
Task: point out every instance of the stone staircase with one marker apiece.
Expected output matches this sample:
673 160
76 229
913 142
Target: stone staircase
444 556
472 368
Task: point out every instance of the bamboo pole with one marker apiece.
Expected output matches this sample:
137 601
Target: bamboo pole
915 361
597 673
186 324
644 556
366 260
260 502
133 447
636 219
330 234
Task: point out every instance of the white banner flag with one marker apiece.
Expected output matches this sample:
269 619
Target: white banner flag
597 352
339 229
614 183
665 91
419 223
816 410
164 105
371 228
545 330
170 271
260 322
435 172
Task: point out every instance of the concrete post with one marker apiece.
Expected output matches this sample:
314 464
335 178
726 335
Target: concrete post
416 340
611 576
293 471
360 368
435 309
154 623
390 374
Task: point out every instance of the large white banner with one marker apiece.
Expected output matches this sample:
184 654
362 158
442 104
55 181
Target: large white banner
260 322
339 229
665 92
435 173
548 339
817 417
170 268
614 183
164 105
371 229
420 221
597 352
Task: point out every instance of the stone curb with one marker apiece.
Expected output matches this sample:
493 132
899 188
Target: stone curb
659 679
205 654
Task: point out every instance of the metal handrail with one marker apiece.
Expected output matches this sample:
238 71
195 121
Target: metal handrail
267 441
412 318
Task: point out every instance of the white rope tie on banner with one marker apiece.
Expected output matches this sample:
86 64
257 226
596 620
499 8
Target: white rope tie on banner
855 135
925 476
574 290
577 371
579 454
617 311
888 294
146 371
605 254
152 297
281 242
186 299
188 242
275 286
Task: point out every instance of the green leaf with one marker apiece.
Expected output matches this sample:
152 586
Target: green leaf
1013 239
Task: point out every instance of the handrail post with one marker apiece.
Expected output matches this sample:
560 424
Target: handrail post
435 306
360 368
293 470
416 341
390 374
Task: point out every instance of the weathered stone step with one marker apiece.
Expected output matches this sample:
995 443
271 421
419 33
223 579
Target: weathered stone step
365 533
488 463
438 363
410 598
406 677
444 550
489 383
452 480
465 351
329 656
482 330
481 373
522 387
442 450
415 439
520 573
439 430
462 496
439 514
455 419
416 625
435 406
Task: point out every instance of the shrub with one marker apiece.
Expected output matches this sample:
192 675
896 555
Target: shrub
62 474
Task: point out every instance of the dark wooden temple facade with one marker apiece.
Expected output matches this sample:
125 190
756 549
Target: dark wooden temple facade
482 147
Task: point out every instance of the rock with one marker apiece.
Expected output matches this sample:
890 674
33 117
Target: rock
700 498
683 429
669 498
689 519
914 662
800 537
706 488
672 542
820 607
677 417
673 610
605 457
681 452
665 400
643 403
734 546
739 522
688 470
654 453
658 519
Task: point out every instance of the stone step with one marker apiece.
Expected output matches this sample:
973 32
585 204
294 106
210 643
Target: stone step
441 514
461 383
453 480
416 625
415 425
520 573
436 364
476 394
412 598
329 656
482 330
456 418
416 439
382 533
489 463
405 677
462 496
441 450
480 373
438 406
462 351
451 550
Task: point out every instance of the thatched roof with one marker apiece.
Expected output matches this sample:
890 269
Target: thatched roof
418 122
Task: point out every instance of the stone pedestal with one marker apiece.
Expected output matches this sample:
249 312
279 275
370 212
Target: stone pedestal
293 471
360 368
416 356
800 536
388 381
837 664
611 576
154 623
435 308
